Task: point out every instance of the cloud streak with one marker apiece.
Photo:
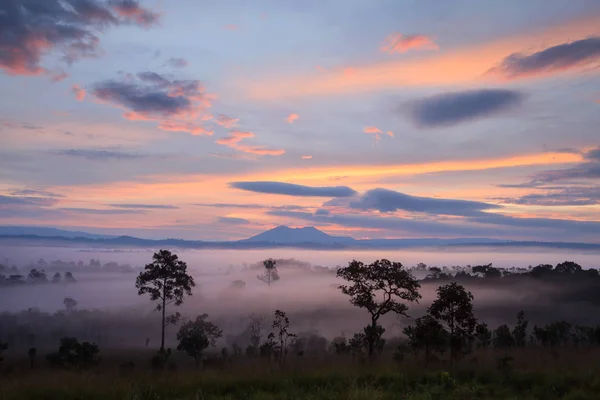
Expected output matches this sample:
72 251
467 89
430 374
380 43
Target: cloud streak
560 58
146 206
399 43
290 189
32 29
177 105
292 117
174 62
235 138
385 200
457 107
98 155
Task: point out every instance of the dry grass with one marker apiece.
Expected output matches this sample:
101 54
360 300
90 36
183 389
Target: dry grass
570 374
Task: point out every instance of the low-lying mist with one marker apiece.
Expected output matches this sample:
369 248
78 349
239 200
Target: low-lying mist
109 310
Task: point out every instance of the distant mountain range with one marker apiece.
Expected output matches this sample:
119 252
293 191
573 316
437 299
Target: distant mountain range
282 236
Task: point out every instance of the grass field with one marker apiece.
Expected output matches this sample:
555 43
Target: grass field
572 374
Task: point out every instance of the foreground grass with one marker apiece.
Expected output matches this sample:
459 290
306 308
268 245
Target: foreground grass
358 384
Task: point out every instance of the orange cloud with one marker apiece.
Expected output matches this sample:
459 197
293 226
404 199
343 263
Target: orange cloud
226 122
306 157
292 117
79 92
361 171
372 129
189 127
377 132
399 43
234 139
468 65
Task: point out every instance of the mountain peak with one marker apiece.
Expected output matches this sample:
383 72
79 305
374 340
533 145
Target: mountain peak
285 235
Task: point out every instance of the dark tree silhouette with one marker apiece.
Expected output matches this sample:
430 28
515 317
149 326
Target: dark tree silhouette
72 354
483 335
70 304
380 287
568 267
56 278
487 271
195 336
3 348
31 353
37 276
270 274
520 330
503 338
165 279
69 278
428 335
454 308
255 330
284 339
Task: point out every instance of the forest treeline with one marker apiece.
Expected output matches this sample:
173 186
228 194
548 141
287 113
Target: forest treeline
450 328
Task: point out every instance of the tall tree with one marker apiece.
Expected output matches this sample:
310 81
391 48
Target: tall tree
454 308
165 279
70 304
195 336
284 339
520 330
270 274
380 287
428 335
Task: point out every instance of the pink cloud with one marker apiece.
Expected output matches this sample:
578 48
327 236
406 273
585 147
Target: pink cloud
399 43
189 127
372 129
58 76
131 10
176 105
79 92
306 157
231 27
34 32
292 117
234 141
226 122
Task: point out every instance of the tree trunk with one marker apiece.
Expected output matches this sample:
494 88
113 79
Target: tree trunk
371 339
162 336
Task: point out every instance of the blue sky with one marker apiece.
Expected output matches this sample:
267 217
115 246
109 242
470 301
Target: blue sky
218 120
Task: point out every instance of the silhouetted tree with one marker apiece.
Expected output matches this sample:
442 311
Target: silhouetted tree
541 271
56 278
255 330
483 335
380 287
3 348
37 276
520 330
165 280
568 268
427 335
454 307
31 353
69 278
339 345
238 284
72 354
195 336
284 340
487 271
270 274
503 338
70 304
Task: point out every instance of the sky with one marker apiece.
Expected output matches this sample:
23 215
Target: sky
217 120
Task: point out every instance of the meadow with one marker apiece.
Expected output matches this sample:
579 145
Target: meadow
292 349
